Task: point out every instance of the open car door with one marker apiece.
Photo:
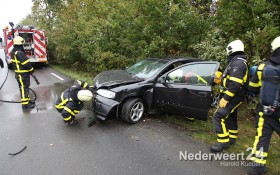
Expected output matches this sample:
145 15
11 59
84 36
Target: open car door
186 90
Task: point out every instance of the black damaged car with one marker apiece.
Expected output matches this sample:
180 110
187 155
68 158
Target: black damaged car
180 86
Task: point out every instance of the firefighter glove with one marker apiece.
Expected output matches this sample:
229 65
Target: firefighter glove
218 77
223 103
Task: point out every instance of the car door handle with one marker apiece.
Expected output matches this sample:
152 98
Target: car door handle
204 94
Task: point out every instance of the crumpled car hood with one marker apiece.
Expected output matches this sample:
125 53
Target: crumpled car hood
114 78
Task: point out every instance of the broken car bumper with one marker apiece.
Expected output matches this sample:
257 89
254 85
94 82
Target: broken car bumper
103 107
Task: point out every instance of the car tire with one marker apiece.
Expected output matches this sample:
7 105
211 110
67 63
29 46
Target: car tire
133 110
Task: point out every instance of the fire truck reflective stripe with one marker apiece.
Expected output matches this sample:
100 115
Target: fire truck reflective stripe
38 39
38 50
9 47
10 43
16 33
39 35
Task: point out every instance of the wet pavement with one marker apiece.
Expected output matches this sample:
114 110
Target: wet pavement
111 147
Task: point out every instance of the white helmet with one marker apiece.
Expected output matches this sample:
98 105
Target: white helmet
275 44
235 46
84 95
18 40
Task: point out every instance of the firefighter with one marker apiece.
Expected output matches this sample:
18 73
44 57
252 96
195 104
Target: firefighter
71 101
231 96
265 124
23 70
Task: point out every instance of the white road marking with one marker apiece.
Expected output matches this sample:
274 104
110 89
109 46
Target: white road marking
57 76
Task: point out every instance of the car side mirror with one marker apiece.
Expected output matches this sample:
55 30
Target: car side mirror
162 80
1 40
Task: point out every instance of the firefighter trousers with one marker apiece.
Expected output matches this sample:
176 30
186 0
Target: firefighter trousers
265 125
23 83
225 121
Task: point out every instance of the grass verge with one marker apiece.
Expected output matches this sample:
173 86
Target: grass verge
75 74
204 130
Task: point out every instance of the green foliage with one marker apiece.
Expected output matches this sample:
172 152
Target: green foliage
82 32
27 21
212 47
254 23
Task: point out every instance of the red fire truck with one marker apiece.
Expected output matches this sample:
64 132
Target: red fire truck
35 45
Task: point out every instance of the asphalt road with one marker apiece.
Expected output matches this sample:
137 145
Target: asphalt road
108 148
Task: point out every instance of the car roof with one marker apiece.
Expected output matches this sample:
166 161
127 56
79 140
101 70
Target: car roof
175 59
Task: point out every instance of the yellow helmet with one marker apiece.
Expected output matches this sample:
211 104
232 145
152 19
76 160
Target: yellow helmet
18 40
235 46
275 44
84 95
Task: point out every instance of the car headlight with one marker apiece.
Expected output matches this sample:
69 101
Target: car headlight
106 93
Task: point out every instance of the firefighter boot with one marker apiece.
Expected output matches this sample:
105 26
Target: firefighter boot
219 147
28 106
257 170
232 141
92 122
32 102
72 122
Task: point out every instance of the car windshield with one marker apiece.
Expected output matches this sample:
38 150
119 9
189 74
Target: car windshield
146 68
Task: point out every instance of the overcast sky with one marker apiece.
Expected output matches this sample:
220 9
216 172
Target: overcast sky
13 11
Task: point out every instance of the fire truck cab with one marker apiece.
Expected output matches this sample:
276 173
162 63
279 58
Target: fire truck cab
34 46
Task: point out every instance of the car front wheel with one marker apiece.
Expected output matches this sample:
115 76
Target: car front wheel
133 110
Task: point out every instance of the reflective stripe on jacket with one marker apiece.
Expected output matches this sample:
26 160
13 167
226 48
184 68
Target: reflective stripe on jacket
235 79
256 80
21 62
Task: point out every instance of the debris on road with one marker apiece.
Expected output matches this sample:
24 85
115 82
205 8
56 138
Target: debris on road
136 138
13 154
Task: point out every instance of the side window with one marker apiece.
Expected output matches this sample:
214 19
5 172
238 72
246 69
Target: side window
172 66
175 76
197 74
